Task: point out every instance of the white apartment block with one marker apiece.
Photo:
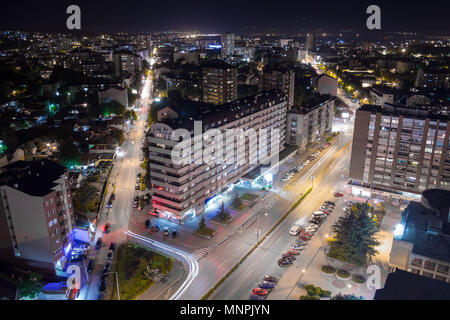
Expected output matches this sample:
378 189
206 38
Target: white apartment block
180 191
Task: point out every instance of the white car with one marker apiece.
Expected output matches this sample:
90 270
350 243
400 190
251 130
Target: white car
319 214
295 230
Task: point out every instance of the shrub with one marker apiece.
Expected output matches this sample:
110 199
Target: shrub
328 269
358 279
311 290
309 298
343 273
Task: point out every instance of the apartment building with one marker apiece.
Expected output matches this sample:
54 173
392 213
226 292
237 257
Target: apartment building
307 125
126 63
227 42
422 240
402 150
180 191
219 83
381 95
36 215
278 78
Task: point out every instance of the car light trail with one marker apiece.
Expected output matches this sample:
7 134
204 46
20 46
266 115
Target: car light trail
192 263
319 163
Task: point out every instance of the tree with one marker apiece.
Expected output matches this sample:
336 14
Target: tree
224 215
69 154
354 239
202 223
30 286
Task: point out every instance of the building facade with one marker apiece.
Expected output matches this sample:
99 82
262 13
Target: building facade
180 191
305 126
219 84
277 78
36 215
403 149
227 41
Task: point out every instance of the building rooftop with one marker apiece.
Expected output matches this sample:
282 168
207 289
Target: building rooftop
421 112
403 285
428 232
214 116
36 178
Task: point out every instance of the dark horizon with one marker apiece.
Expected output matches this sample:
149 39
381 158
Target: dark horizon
239 17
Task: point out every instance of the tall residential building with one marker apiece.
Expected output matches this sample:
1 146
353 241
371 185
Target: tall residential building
227 41
219 83
278 78
310 42
307 125
179 192
400 151
36 215
422 240
126 62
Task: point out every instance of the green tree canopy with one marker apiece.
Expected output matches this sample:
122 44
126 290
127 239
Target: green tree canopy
354 239
30 286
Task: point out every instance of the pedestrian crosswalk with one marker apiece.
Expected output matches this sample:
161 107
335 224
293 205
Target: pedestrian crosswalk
199 254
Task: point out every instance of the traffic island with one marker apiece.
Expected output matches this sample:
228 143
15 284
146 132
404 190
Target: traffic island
205 232
135 266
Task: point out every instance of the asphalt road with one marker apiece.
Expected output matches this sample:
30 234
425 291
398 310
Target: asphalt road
222 258
123 175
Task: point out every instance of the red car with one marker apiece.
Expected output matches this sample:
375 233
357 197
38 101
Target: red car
327 212
306 234
293 252
338 194
303 238
107 228
260 292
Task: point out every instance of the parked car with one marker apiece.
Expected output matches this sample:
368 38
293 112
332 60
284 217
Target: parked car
99 243
295 229
112 197
90 266
102 286
166 232
107 228
110 255
137 187
284 263
112 246
338 194
297 247
260 292
293 252
106 268
109 204
288 257
270 278
266 285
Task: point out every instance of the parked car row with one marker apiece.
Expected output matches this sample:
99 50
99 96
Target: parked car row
264 288
288 176
305 233
107 267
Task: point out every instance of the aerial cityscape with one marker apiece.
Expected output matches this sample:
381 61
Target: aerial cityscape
199 157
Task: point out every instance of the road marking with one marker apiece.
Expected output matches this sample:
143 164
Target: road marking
199 254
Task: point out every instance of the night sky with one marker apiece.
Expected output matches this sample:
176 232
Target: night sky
429 16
